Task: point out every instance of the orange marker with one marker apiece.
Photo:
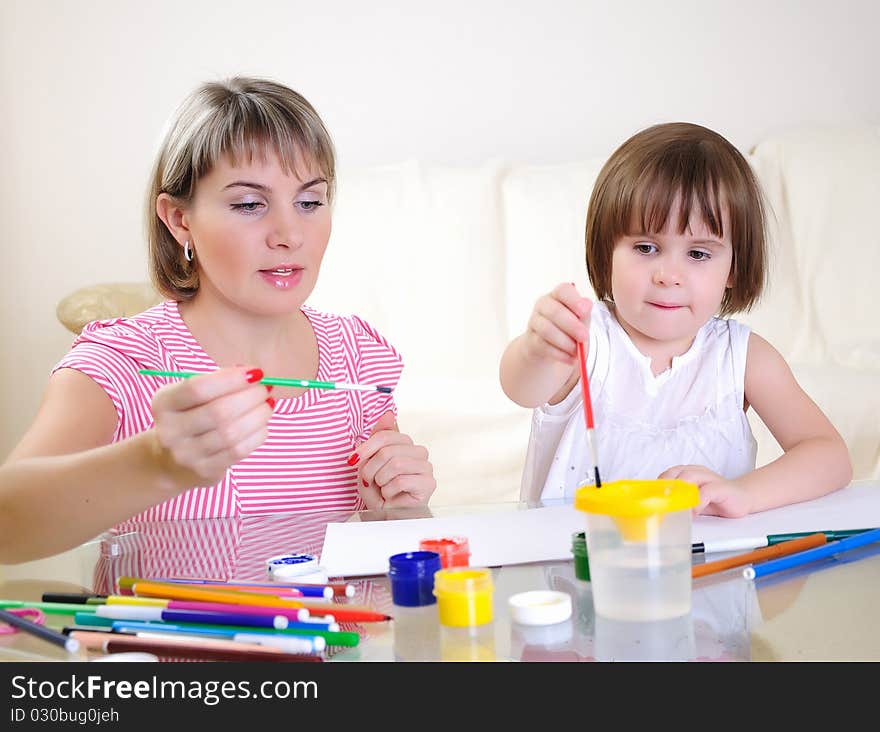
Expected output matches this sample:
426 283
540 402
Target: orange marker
767 552
174 591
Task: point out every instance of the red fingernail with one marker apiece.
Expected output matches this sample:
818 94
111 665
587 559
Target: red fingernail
253 375
271 402
365 483
353 460
268 387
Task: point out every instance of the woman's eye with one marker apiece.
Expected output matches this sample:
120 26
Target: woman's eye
310 205
247 206
645 248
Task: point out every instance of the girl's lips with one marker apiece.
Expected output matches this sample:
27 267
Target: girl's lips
665 305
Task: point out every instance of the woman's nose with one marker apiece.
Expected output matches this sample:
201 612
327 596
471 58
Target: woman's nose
286 231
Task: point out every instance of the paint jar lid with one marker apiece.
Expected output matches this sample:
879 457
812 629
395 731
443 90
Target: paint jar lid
462 580
454 551
412 578
581 560
540 607
301 567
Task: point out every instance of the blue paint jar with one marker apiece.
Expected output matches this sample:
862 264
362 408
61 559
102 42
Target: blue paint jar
412 578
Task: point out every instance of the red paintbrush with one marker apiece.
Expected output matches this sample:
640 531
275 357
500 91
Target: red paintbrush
588 409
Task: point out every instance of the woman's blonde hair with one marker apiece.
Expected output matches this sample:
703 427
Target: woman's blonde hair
679 162
241 118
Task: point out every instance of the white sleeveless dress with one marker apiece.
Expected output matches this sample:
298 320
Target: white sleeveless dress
691 414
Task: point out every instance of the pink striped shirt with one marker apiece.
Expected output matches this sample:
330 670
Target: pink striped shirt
302 464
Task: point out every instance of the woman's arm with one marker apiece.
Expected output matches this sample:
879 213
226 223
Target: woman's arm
65 483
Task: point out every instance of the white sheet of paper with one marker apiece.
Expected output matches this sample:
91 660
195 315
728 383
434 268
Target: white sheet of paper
504 537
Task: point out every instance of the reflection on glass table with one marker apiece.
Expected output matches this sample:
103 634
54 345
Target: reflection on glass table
796 615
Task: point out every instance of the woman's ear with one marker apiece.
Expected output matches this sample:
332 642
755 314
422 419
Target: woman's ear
173 215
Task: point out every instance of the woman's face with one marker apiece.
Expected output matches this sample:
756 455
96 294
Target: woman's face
259 233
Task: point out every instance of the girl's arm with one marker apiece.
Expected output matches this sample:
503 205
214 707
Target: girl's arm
540 365
816 460
64 483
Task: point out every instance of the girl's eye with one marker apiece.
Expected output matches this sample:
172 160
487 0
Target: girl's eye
247 206
645 248
698 255
310 205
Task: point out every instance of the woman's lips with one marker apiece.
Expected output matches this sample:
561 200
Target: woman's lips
282 278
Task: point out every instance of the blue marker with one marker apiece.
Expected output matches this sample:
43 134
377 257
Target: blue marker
811 555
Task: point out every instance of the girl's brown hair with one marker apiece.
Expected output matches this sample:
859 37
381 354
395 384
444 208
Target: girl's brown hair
644 178
241 118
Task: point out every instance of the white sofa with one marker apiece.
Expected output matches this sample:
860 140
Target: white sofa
447 263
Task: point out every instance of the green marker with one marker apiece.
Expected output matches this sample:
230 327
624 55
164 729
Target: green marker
829 535
50 608
333 637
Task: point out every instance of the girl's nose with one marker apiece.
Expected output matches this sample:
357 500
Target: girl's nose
666 275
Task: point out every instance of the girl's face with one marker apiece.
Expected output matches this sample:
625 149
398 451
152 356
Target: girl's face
666 286
259 233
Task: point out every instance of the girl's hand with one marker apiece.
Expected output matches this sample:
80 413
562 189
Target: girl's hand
558 321
204 424
718 496
393 472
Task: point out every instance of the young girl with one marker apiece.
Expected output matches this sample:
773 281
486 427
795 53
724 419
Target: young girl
238 217
674 235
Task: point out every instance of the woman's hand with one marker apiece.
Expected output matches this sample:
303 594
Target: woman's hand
204 424
718 496
392 471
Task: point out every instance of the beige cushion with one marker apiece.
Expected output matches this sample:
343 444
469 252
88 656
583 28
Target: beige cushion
103 301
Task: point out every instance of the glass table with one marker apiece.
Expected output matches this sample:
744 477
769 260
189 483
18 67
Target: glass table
820 612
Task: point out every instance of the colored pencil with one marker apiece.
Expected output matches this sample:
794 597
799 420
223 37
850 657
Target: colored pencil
738 544
758 555
333 638
164 647
829 535
40 631
298 615
344 614
276 381
755 542
95 640
270 588
340 589
811 555
135 612
309 589
173 591
70 597
588 410
50 608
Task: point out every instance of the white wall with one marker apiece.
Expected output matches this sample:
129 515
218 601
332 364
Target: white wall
87 86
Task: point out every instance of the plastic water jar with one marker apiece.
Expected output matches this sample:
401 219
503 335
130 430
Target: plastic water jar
639 544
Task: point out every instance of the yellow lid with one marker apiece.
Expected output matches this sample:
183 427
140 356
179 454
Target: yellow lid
637 498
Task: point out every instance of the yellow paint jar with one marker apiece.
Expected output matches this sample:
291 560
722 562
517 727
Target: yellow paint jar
464 596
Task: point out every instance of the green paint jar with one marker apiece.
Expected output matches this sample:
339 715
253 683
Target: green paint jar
581 561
